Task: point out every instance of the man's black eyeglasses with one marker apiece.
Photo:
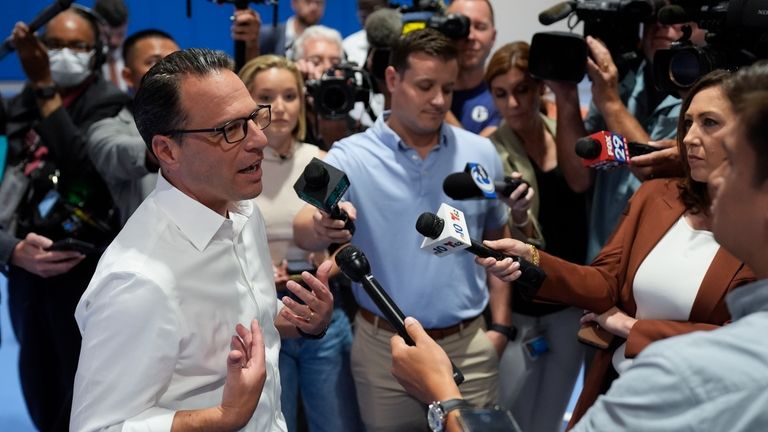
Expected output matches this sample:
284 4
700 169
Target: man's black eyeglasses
235 130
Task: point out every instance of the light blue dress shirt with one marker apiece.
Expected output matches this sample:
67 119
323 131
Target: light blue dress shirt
703 381
391 185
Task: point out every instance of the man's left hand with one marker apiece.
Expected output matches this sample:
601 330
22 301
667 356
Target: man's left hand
314 316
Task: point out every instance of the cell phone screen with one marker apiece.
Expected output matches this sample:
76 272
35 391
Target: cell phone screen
487 420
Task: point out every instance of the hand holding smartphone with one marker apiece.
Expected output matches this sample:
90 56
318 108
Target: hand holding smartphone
70 244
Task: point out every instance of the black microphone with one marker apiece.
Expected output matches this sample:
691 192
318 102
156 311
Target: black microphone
462 186
556 13
431 225
353 263
322 185
590 148
40 20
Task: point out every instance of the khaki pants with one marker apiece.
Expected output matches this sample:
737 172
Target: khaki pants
384 404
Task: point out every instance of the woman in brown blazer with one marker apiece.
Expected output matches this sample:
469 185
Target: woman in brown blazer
661 274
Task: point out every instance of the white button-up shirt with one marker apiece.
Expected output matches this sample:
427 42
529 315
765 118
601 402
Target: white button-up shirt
159 313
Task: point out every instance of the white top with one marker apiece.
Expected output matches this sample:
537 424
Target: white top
161 308
279 202
668 280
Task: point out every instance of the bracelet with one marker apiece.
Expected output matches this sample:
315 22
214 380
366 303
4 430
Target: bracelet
535 258
311 336
524 224
509 331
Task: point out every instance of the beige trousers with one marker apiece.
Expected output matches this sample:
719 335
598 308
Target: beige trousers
384 404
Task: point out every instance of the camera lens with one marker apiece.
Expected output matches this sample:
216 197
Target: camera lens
685 68
335 99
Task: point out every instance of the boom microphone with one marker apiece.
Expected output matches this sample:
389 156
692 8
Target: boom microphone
556 13
40 20
353 263
461 186
446 238
383 28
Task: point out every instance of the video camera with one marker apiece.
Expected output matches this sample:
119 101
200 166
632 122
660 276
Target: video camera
737 35
337 90
431 14
615 22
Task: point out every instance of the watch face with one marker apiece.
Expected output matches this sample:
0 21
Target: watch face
435 417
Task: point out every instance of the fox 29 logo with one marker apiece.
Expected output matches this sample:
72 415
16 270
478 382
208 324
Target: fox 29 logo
617 148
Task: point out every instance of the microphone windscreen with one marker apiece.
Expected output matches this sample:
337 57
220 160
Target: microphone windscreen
383 27
353 263
588 148
460 186
555 13
429 225
672 14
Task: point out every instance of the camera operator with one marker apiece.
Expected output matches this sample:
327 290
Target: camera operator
633 108
62 197
317 50
473 107
356 45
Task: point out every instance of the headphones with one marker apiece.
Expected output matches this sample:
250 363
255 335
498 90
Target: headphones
96 22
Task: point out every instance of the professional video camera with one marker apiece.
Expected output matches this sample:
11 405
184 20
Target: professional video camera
337 90
737 35
431 14
615 22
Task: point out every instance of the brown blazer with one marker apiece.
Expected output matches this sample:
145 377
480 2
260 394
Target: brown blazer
607 282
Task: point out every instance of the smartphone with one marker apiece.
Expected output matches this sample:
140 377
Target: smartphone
70 244
296 267
591 334
486 420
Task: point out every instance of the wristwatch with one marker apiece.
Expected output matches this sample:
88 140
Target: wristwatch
509 331
438 411
46 92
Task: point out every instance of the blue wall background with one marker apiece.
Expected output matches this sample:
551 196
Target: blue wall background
208 27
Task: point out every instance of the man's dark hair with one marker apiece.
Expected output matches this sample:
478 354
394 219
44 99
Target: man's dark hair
132 40
428 41
157 104
114 12
748 92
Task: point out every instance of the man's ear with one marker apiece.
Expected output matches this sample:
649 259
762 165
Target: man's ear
126 73
390 76
167 151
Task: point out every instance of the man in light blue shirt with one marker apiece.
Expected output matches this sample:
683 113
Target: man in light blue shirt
702 381
396 170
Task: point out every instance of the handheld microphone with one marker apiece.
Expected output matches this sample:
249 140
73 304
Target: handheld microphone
475 183
462 186
322 186
443 238
556 13
353 263
605 150
383 28
40 20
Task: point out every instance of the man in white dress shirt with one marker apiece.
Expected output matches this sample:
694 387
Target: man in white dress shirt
191 264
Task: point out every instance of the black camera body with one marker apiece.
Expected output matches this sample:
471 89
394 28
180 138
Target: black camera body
615 22
737 35
336 91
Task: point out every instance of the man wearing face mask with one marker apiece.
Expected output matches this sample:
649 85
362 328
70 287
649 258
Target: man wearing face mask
61 196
